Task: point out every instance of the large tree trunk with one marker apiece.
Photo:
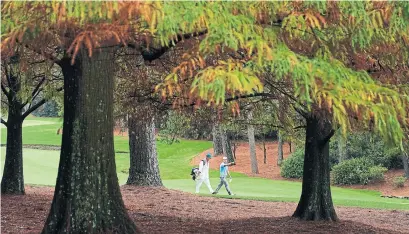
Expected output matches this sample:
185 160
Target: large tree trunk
13 179
217 140
316 200
405 161
144 166
280 149
252 143
87 198
226 143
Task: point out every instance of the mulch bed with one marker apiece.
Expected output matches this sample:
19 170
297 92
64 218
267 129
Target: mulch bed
160 210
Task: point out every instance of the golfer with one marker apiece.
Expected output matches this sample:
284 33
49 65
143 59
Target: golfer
203 174
224 172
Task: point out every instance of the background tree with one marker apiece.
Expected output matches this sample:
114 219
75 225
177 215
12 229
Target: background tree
217 139
252 144
21 86
136 101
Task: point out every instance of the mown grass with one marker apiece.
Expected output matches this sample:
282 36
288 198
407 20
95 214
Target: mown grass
40 168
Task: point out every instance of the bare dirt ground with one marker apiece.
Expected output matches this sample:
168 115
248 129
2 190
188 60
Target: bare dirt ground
159 210
272 171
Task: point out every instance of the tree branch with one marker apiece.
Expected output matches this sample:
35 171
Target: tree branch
249 96
150 54
37 105
284 93
33 108
47 56
298 127
34 93
4 122
301 112
3 88
328 137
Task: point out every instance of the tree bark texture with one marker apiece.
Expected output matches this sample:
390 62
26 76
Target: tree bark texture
217 140
316 200
144 166
405 161
87 198
280 149
12 181
264 149
226 144
342 150
252 144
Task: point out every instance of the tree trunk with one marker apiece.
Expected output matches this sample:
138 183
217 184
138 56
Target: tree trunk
264 148
280 149
316 200
144 166
217 140
226 143
405 161
87 198
290 145
13 179
342 154
252 143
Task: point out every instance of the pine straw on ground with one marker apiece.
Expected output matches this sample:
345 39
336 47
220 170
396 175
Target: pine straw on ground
159 210
271 170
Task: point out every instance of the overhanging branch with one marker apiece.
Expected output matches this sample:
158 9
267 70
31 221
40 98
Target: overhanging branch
301 112
38 104
150 54
4 122
3 88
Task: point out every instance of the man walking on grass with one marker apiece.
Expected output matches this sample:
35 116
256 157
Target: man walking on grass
203 174
224 172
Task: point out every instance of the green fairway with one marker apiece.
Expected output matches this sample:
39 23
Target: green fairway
276 190
40 167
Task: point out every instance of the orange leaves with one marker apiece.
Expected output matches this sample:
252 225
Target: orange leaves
315 20
190 64
75 24
96 36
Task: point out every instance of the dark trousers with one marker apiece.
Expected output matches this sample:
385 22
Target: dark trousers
224 182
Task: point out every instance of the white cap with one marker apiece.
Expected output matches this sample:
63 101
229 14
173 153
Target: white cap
224 158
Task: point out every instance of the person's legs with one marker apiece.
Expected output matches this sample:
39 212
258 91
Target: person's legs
226 184
207 182
219 186
198 184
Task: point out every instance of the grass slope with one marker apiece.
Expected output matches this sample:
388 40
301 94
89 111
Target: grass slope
40 167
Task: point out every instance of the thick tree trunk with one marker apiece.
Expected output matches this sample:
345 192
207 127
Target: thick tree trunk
252 144
217 140
280 149
226 143
13 179
87 198
405 161
316 200
144 166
